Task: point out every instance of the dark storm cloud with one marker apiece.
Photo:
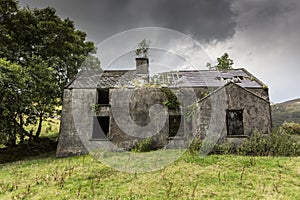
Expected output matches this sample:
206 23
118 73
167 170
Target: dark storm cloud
263 13
205 20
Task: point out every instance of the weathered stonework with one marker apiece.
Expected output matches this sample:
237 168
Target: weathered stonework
256 112
69 142
215 98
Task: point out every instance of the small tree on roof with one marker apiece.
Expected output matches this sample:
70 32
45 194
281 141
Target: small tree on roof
143 49
224 63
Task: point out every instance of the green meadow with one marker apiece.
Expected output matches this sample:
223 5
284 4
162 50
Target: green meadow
190 177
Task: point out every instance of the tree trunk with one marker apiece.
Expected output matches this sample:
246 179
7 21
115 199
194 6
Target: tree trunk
39 130
22 135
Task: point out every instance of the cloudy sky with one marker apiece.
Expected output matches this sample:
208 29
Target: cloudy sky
262 36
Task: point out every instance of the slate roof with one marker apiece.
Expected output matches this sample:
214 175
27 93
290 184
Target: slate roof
208 78
129 78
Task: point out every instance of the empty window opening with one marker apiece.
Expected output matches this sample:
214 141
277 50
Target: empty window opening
103 96
234 121
174 125
100 127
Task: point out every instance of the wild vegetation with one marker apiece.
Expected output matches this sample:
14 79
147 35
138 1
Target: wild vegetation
191 177
39 54
224 63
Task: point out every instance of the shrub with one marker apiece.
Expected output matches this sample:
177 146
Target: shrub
195 146
144 145
278 143
255 146
225 148
291 128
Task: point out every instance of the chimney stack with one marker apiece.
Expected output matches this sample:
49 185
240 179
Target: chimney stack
142 66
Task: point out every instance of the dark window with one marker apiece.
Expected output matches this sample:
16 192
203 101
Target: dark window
174 125
103 96
234 121
100 127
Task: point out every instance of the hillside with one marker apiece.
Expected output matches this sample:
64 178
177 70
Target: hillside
288 111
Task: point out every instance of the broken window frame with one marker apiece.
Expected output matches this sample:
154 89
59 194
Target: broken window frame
231 133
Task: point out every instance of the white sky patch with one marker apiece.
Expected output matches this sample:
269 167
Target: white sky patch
267 47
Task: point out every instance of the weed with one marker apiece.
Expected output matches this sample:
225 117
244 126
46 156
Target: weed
195 146
242 174
144 145
168 192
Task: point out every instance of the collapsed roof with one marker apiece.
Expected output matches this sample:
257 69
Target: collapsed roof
177 79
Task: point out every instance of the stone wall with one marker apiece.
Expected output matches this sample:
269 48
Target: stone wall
131 116
212 119
76 121
77 116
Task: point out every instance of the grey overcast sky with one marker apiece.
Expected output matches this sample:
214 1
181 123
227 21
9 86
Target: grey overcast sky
262 36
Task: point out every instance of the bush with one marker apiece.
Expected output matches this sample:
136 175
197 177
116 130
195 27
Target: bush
225 148
254 146
278 143
195 146
291 128
143 146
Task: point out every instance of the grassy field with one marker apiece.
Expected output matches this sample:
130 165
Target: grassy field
191 177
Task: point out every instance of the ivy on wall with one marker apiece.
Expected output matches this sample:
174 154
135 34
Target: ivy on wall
172 102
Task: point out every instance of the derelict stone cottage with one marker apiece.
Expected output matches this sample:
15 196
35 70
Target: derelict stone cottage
104 106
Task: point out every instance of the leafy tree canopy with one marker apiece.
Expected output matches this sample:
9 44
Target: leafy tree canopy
224 63
40 53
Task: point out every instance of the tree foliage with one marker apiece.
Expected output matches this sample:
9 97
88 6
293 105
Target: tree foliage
224 63
40 53
11 100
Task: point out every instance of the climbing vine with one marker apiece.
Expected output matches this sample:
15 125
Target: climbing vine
172 101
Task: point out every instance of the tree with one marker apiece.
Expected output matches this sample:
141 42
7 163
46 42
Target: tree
8 8
143 48
49 52
41 33
224 63
11 101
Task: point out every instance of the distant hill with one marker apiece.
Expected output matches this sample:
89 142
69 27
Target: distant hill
288 111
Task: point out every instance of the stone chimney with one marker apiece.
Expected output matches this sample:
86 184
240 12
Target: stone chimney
142 66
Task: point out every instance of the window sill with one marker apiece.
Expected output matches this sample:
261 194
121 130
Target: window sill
176 138
99 139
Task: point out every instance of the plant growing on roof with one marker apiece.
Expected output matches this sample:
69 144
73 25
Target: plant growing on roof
143 49
224 63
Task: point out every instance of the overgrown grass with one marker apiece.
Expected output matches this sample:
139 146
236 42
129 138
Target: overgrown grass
191 177
45 143
50 128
